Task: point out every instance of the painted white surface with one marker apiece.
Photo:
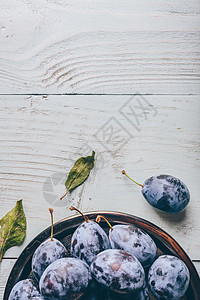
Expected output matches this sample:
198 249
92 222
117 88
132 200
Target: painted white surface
5 268
99 47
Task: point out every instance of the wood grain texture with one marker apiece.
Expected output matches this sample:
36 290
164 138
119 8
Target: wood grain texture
5 268
99 47
197 266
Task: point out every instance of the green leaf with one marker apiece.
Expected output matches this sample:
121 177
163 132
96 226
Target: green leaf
13 228
79 172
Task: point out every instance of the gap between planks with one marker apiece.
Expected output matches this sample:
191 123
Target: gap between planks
118 94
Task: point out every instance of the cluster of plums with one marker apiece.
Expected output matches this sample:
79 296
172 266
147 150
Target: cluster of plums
103 267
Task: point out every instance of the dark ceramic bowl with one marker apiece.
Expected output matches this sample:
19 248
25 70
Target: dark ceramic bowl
64 229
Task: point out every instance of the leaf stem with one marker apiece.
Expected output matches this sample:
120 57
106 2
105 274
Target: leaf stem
124 172
98 219
51 212
64 194
85 217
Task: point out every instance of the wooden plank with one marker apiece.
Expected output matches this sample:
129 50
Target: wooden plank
5 269
41 137
99 47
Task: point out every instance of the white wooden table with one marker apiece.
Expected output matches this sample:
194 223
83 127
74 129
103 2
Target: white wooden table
69 75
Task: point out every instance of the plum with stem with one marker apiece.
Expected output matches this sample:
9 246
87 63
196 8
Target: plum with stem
49 251
88 240
165 192
132 240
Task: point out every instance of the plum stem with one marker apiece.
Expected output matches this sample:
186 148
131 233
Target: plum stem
124 172
85 217
98 219
51 212
64 195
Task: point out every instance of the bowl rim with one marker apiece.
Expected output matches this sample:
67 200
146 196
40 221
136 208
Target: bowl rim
72 222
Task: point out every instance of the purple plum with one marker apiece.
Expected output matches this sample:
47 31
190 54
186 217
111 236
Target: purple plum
118 271
88 240
23 290
48 252
165 192
134 241
66 278
168 278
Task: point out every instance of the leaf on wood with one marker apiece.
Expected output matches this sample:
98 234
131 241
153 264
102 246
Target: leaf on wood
79 172
13 228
